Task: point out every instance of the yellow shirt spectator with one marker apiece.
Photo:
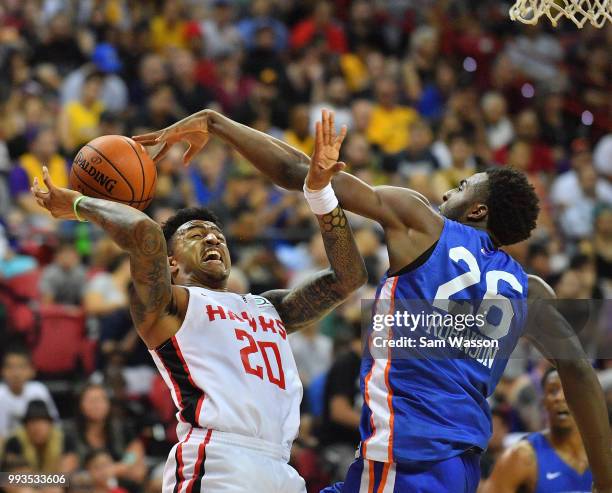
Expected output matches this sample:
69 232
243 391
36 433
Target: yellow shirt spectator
390 128
164 35
355 72
81 123
306 145
58 170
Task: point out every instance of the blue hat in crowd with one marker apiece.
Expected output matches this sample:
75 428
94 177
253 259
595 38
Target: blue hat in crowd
106 58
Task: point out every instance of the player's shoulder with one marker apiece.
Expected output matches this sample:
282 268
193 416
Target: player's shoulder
538 288
522 454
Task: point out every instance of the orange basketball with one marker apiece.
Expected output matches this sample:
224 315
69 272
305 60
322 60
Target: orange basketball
114 167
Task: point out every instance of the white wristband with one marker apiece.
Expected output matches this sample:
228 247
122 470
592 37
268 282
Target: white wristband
321 201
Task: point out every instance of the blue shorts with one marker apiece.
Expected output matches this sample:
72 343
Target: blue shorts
460 474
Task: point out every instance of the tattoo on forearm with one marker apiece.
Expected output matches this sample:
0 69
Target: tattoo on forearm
334 219
328 288
134 232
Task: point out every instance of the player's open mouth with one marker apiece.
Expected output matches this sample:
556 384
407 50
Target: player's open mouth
213 256
563 414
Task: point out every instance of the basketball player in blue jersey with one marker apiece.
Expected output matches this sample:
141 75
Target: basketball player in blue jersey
425 421
552 461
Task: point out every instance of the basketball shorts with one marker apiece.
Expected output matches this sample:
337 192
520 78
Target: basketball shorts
219 462
459 474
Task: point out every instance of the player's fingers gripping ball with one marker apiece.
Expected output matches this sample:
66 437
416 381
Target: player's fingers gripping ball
114 167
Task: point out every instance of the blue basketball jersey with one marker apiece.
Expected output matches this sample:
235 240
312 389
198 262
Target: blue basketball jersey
426 404
554 474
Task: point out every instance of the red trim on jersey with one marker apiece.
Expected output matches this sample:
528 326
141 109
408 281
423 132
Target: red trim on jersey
177 390
198 470
177 348
180 477
190 396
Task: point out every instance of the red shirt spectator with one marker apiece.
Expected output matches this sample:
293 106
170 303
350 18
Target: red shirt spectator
320 24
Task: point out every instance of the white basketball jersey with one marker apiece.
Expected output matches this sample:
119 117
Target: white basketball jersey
230 368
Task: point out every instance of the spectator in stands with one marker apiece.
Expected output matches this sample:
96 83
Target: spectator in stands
60 46
312 352
461 152
221 37
95 428
557 127
538 260
500 130
169 29
320 26
99 465
208 174
62 281
105 299
363 28
18 389
79 119
298 134
418 161
602 246
357 152
339 433
389 126
161 109
261 16
528 130
41 443
537 53
333 96
43 151
104 60
152 72
190 94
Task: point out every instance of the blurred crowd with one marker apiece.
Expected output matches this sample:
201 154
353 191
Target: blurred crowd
431 91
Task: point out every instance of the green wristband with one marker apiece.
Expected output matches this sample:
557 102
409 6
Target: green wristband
74 208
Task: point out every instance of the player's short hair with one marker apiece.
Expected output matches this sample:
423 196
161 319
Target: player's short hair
513 205
184 216
547 374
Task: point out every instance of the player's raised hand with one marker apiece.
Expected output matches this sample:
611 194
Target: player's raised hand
58 201
324 163
193 130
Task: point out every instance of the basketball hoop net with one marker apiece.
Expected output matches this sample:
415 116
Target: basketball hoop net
597 12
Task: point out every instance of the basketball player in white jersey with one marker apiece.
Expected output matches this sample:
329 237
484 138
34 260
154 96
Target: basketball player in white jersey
224 356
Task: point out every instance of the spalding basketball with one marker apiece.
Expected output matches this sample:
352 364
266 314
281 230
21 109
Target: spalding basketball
114 167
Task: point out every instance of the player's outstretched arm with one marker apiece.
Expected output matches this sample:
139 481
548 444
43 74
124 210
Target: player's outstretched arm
325 290
392 207
515 469
131 230
557 341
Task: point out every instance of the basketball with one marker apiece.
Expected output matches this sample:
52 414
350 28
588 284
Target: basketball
114 167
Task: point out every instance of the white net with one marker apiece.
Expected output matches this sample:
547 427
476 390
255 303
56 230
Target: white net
597 12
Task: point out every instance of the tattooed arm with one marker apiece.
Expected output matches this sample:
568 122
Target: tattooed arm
151 292
325 290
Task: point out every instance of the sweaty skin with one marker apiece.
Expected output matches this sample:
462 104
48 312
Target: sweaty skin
411 226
